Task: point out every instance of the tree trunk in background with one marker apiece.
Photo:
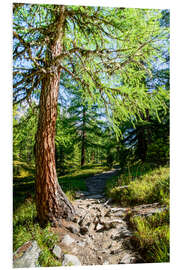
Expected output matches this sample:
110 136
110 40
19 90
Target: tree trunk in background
51 202
83 138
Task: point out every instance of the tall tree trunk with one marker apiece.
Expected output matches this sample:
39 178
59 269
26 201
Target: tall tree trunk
52 204
83 138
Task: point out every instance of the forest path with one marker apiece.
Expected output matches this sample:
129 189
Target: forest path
99 231
96 184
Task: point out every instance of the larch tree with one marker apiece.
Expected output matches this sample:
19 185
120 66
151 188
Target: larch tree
99 48
85 122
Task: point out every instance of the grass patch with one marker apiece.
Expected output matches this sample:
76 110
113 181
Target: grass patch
23 182
151 234
151 237
26 228
151 187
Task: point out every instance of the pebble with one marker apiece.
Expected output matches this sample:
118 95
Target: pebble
99 227
57 251
127 259
69 260
67 240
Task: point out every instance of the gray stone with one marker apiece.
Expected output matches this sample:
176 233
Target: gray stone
105 263
111 224
119 214
29 257
67 240
121 234
81 244
74 228
115 209
127 258
99 227
125 233
57 251
69 260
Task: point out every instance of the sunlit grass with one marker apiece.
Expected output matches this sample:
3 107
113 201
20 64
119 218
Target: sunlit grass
151 187
151 236
26 228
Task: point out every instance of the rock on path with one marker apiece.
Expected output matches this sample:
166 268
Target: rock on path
104 237
99 234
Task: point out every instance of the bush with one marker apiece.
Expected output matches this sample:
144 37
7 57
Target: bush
158 151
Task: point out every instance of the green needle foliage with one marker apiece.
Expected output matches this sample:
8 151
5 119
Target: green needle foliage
103 50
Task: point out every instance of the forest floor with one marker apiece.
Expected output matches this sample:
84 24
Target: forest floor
100 232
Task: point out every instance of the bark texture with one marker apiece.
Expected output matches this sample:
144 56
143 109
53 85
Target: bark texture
51 202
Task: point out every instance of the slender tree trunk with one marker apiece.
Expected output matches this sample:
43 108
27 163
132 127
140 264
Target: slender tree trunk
92 156
51 202
83 138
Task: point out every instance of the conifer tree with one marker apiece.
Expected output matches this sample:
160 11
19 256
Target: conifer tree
98 47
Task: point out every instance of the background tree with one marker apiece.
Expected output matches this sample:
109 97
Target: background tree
86 122
24 130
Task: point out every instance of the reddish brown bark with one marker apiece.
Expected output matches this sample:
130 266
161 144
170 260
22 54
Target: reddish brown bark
51 202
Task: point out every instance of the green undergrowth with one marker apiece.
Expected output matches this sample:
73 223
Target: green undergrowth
151 237
24 176
151 233
152 186
26 228
25 225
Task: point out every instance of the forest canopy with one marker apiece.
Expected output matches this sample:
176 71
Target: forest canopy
90 84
